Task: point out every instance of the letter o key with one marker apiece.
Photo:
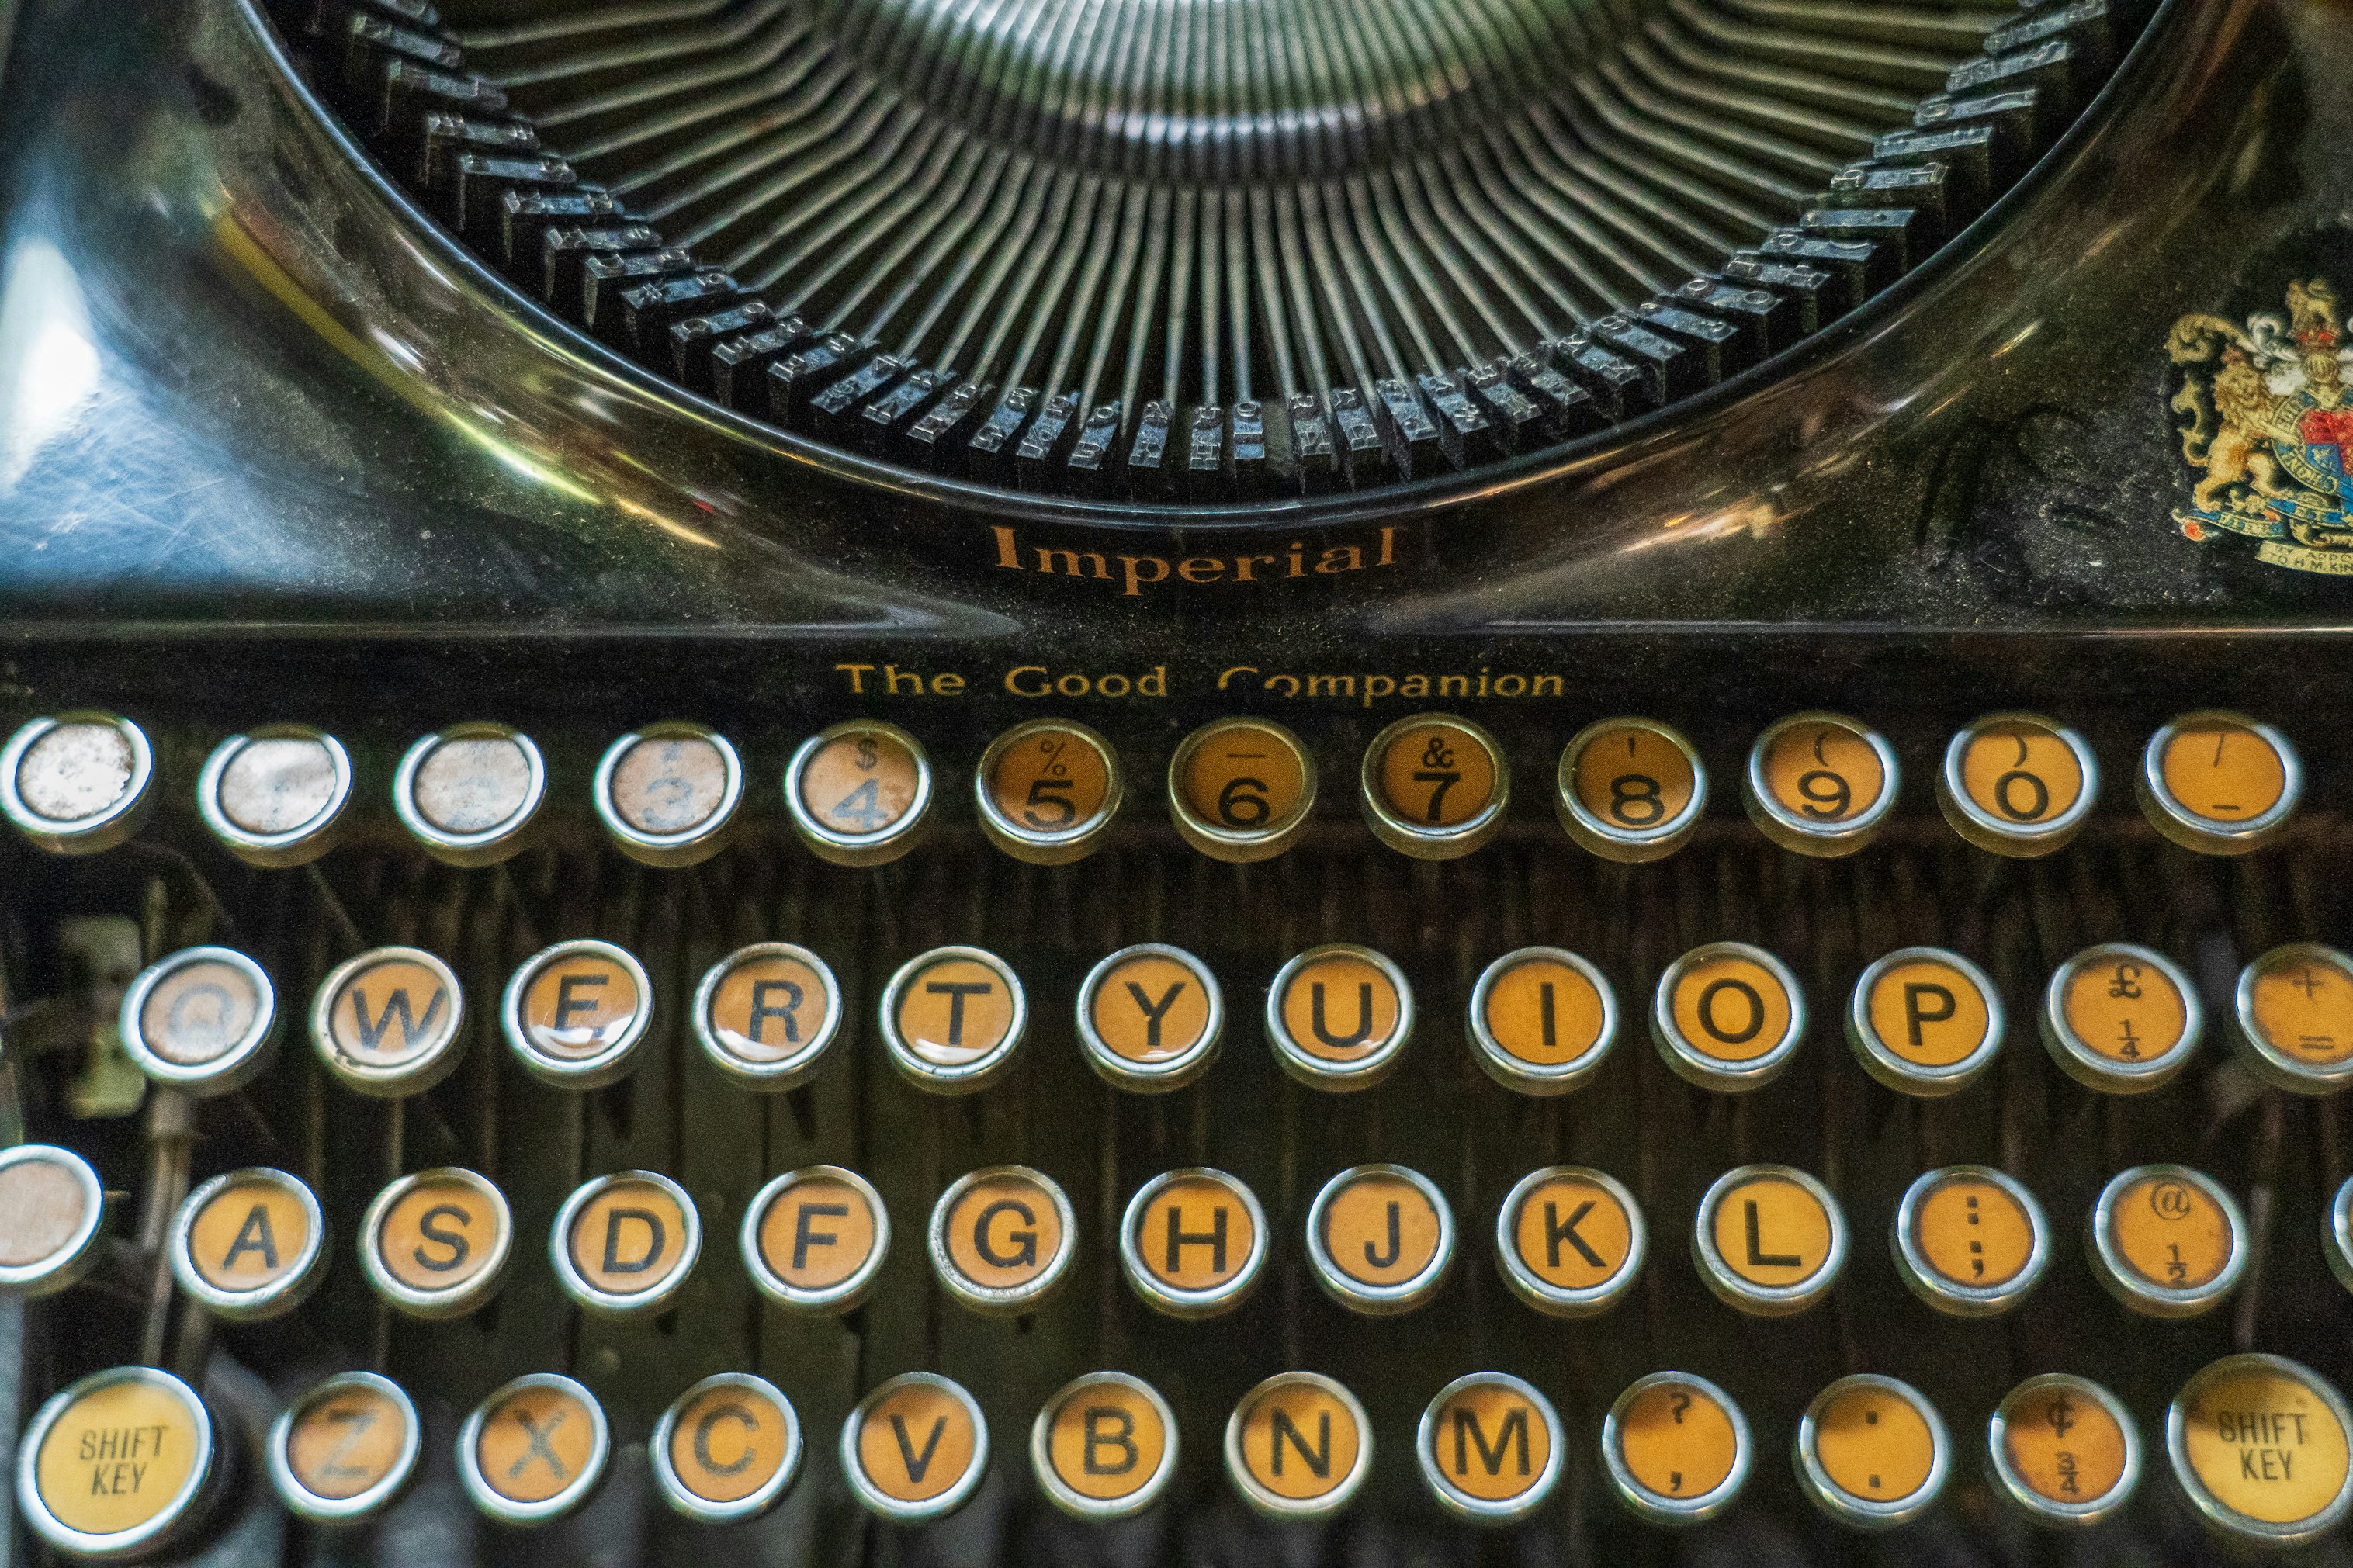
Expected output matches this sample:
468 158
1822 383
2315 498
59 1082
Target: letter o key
1002 1239
623 1244
1104 1447
1728 1016
727 1449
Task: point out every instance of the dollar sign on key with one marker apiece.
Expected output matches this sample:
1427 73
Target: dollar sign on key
867 758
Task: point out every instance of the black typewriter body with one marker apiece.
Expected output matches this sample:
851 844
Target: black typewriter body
286 437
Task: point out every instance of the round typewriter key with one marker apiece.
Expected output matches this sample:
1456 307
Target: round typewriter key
574 1013
52 1211
2064 1450
1241 789
2295 1008
389 1022
77 783
436 1243
1047 791
2221 784
1925 1021
249 1243
2018 785
667 793
1820 784
534 1450
727 1449
952 1018
202 1020
1339 1018
2121 1019
276 797
1435 786
2337 1244
1298 1447
1676 1447
623 1244
1769 1241
764 1015
1193 1242
860 794
1872 1452
1490 1448
1630 790
1728 1016
468 793
1970 1241
1002 1239
1569 1240
915 1449
1150 1019
1104 1447
1542 1020
813 1240
1381 1239
117 1464
2168 1241
2261 1446
345 1449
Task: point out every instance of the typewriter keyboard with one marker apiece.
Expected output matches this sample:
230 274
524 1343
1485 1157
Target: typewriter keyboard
1214 1147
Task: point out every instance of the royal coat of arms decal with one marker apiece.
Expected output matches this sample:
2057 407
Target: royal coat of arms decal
2270 422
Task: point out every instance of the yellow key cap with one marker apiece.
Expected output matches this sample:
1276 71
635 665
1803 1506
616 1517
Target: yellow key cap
1299 1446
390 1023
813 1240
117 1464
1569 1240
2064 1450
2168 1241
1339 1018
2221 784
1925 1021
249 1245
951 1019
345 1449
2263 1446
1193 1242
2121 1019
2294 1015
1380 1239
1542 1020
2018 783
1970 1241
1490 1448
666 794
1728 1016
915 1449
534 1450
1047 791
1435 786
625 1244
1873 1452
766 1014
1241 789
436 1243
1676 1448
1150 1019
576 1013
1630 790
1820 784
1104 1447
860 794
727 1449
1769 1240
1002 1239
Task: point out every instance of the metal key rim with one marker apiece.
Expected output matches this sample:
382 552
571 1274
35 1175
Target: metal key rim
789 1071
1893 1071
1555 1300
2000 834
1150 1078
304 1503
1806 835
1484 1511
280 1295
880 1502
2270 1062
1655 1506
2090 1511
1694 1064
1241 845
643 1303
452 1300
886 843
1339 1077
963 1078
1939 1290
2205 835
295 846
2075 1057
178 1513
1003 1302
1615 841
401 1079
1055 846
1169 1299
1766 1300
69 1262
687 1503
1420 839
1076 1504
1872 1513
2338 1241
686 846
611 1061
233 1068
1530 1078
487 845
2213 1508
101 829
2136 1291
834 1298
1273 1505
1380 1300
573 1493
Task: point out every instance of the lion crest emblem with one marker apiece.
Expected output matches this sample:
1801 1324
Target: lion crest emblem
2270 422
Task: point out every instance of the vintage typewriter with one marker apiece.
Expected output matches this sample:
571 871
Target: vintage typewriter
1176 783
